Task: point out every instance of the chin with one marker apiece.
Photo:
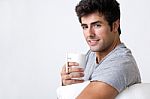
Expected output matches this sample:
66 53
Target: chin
94 50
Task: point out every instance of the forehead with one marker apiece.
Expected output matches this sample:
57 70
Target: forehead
93 17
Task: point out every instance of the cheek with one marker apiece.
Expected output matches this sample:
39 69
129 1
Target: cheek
103 34
100 32
85 34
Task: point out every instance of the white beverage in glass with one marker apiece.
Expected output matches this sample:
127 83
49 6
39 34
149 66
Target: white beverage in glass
75 57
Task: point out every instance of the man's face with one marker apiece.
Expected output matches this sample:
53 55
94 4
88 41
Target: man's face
97 32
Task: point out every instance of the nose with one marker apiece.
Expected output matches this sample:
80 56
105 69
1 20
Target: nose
90 32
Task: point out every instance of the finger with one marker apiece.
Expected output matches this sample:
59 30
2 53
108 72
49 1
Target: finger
72 75
66 77
73 64
76 75
63 69
67 65
64 73
77 81
74 69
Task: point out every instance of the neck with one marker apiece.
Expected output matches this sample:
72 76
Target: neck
102 54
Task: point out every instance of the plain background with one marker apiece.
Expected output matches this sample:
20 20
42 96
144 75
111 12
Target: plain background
36 34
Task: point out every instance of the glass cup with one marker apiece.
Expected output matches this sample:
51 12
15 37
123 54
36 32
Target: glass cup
75 57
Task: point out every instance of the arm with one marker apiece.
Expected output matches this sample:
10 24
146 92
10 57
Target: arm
98 90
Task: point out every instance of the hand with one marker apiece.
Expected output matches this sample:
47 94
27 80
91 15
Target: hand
73 72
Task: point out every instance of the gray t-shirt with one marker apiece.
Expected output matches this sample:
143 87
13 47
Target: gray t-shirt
117 69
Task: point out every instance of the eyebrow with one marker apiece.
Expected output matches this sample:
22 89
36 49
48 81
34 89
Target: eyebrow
95 22
92 23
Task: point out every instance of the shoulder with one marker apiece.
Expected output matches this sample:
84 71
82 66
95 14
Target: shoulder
121 51
118 69
121 57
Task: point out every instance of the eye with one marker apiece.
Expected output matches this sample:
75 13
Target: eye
97 25
84 27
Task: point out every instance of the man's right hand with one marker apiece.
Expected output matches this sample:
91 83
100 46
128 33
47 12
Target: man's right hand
73 72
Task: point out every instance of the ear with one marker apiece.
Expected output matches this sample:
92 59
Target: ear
116 25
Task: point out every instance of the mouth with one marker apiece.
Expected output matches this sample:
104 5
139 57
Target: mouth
93 42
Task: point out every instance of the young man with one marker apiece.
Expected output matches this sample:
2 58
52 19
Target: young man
110 65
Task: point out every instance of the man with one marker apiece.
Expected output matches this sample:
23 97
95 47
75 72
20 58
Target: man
110 66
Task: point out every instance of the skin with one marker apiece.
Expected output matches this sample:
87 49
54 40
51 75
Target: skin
98 34
67 77
101 39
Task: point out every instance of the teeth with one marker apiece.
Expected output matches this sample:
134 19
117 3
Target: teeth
93 41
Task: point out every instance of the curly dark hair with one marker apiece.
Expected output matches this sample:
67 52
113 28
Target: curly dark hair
110 9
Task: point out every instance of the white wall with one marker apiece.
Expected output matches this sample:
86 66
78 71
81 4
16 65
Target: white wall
136 32
36 34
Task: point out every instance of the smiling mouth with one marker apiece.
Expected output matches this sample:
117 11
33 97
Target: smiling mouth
93 42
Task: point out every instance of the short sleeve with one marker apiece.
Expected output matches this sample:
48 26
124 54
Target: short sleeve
118 74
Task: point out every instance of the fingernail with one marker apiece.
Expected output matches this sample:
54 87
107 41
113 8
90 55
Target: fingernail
76 64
